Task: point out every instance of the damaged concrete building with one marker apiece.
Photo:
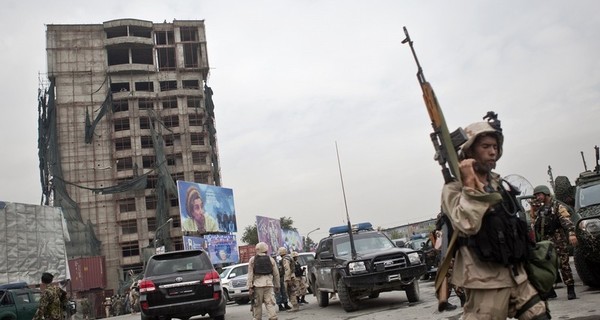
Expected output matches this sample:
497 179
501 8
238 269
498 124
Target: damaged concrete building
124 113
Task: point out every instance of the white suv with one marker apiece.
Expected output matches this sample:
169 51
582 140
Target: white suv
228 274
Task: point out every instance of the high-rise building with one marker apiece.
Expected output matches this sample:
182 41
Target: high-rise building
125 111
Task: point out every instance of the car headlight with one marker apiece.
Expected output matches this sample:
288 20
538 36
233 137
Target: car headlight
591 226
414 258
357 267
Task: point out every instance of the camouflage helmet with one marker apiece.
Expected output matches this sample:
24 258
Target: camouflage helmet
282 251
541 189
294 254
474 130
261 247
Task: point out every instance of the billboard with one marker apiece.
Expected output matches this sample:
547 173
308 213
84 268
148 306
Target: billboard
269 232
193 243
206 208
292 240
222 248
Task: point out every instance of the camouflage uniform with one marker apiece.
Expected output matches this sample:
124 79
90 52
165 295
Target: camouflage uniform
291 284
52 304
550 221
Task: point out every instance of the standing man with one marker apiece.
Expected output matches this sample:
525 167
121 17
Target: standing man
478 207
552 220
289 278
281 296
53 301
263 278
301 281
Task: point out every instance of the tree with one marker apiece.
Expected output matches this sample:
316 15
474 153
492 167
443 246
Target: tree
250 235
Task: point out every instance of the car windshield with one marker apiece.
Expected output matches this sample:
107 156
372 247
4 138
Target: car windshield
589 196
304 259
224 273
418 244
362 243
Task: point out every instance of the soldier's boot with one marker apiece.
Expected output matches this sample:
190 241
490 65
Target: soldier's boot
571 292
281 307
303 300
286 306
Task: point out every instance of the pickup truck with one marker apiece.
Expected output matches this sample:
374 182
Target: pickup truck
18 301
376 266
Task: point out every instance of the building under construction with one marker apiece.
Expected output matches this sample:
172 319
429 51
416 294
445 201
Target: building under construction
124 112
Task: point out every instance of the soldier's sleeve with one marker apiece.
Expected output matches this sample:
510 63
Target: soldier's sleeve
466 206
287 269
565 219
41 310
251 273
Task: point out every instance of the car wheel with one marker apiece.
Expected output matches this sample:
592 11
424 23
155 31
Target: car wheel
147 317
221 317
587 270
413 292
322 297
348 301
242 301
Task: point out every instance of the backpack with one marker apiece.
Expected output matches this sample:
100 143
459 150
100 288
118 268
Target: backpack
542 266
298 271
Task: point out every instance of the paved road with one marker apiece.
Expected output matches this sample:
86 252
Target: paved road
394 305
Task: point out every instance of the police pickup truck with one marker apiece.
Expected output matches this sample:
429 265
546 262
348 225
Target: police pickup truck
18 301
371 266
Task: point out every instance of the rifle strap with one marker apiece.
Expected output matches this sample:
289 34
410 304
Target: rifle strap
445 265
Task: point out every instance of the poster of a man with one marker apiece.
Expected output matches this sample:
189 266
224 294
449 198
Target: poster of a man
201 205
222 248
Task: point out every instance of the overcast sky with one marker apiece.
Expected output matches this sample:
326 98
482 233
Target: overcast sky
290 78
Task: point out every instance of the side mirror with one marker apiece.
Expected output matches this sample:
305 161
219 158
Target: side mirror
231 275
326 255
400 244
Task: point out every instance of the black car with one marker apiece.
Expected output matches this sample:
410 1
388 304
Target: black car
375 266
181 284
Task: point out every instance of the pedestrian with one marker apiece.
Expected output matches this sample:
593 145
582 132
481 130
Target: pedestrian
289 278
483 208
301 280
552 220
53 301
263 282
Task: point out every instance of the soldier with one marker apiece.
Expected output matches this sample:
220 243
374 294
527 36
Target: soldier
301 281
289 278
551 218
53 301
480 206
281 297
263 280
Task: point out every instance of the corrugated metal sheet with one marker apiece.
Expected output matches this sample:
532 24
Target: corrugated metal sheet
246 252
87 273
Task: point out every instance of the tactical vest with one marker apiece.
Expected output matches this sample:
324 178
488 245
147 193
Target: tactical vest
262 265
298 271
503 237
547 220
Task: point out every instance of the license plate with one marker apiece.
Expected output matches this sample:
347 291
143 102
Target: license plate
178 291
238 291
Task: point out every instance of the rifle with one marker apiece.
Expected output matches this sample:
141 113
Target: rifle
551 178
445 145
